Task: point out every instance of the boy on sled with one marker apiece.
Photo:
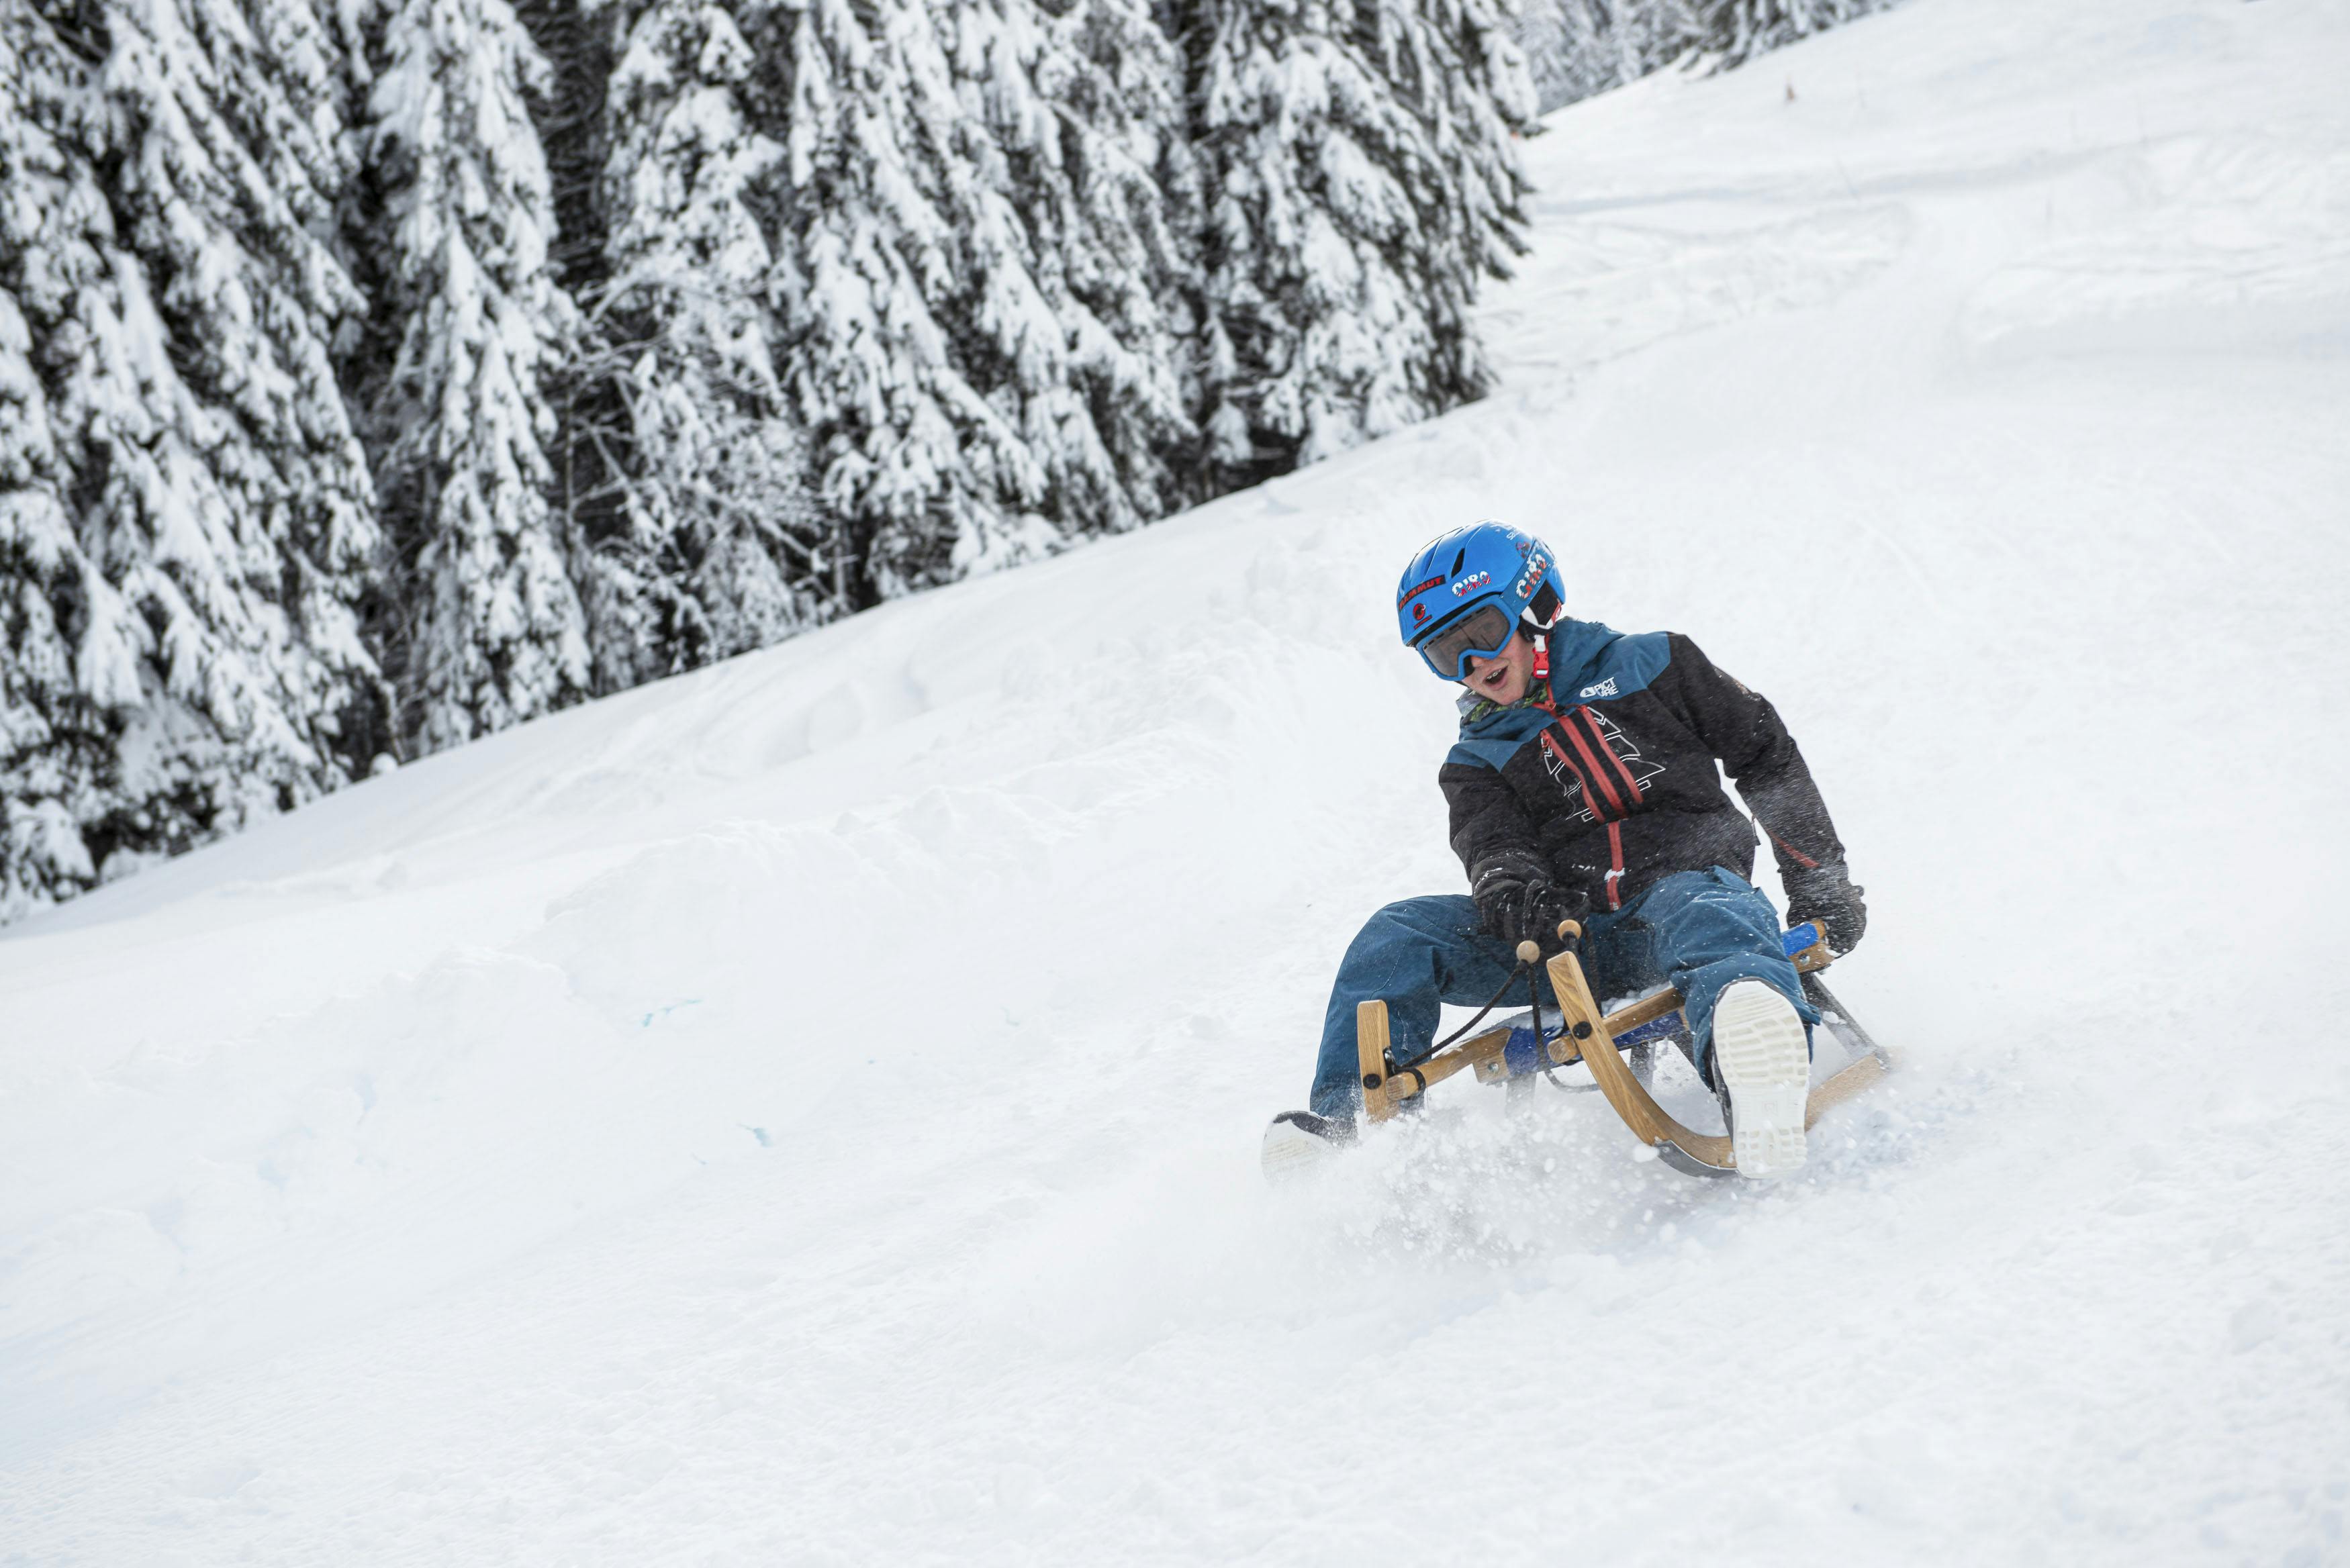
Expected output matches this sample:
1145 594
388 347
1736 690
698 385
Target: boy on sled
1583 788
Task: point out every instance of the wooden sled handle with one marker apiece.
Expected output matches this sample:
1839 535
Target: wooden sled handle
1568 932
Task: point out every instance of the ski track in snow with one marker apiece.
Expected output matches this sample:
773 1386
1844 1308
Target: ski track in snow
805 1112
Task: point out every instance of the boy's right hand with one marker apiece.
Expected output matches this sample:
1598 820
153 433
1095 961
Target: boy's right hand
1519 906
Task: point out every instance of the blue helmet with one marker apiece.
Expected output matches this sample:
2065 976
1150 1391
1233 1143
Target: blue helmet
1487 566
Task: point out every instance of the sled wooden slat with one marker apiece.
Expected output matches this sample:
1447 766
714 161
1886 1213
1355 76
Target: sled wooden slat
1647 1010
1411 1081
1485 1053
1371 1058
1649 1122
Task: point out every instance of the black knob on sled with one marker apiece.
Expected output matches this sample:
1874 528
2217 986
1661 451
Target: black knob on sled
1370 1080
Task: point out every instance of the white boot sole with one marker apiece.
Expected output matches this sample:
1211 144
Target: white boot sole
1760 1050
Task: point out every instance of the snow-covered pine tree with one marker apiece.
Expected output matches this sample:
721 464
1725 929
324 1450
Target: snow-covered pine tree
713 543
51 777
483 628
1455 67
975 272
1734 31
1094 207
1364 180
1576 49
1561 41
874 269
184 527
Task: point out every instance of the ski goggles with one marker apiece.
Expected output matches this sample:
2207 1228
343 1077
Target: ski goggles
1484 629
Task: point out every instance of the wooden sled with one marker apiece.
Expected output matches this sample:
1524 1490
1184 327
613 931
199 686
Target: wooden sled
1510 1056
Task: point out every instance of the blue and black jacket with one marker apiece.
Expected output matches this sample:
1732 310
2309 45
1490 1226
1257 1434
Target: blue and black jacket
1603 779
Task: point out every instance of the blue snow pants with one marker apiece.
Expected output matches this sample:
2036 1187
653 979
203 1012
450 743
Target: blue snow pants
1698 930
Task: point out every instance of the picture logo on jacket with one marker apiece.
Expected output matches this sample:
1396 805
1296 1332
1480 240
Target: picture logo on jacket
1605 688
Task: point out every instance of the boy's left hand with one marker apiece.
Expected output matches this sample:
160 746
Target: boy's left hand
1548 906
1826 896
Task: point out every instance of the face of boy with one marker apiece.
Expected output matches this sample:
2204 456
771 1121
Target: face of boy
1504 677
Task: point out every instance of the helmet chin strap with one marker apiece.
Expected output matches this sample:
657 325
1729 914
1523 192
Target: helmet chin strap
1538 685
1541 647
1542 625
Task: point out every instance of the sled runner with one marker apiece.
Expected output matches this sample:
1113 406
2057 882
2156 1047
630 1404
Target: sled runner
1512 1052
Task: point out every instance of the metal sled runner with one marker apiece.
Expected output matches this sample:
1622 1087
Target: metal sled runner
1507 1055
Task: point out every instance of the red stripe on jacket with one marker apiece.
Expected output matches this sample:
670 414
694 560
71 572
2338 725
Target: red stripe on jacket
1600 735
1560 753
1585 747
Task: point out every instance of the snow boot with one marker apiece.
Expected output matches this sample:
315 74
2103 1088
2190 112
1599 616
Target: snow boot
1298 1141
1763 1061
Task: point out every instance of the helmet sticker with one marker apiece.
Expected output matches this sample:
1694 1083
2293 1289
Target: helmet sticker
1531 577
1417 589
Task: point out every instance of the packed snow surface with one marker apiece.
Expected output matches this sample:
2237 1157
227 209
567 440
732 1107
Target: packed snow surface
806 1112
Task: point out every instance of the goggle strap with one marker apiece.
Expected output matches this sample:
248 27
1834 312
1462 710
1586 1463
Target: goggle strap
1543 606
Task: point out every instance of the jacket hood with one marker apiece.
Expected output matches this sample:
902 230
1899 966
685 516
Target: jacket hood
1575 647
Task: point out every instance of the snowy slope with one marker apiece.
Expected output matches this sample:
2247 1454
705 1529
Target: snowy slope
806 1111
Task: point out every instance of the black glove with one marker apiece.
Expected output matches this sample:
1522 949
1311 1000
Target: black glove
1518 904
1825 895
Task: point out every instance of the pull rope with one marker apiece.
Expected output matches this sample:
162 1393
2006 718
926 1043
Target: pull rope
1532 972
1524 968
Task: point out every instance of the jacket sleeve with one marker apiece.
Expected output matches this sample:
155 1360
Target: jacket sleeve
1744 730
1491 831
